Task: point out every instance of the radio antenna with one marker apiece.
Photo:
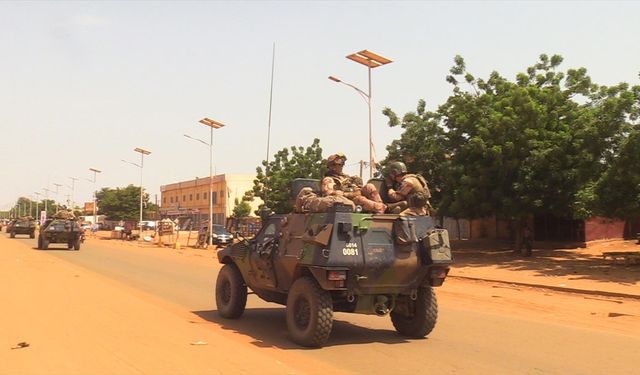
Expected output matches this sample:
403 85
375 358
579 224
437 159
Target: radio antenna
266 171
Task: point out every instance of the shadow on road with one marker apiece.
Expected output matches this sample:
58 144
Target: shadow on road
548 260
269 329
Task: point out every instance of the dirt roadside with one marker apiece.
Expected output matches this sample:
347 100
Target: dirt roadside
64 312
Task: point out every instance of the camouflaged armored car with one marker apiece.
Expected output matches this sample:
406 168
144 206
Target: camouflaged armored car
60 231
318 263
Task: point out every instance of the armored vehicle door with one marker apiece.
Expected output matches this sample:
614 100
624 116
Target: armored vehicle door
267 243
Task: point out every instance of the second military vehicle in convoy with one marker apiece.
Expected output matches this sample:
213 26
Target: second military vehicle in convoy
318 263
60 231
26 226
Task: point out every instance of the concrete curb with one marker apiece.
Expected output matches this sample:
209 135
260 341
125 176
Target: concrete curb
556 288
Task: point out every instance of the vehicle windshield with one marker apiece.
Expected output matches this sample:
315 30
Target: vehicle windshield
219 229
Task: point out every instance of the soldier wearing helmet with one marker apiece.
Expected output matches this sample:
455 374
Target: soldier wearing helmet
403 188
336 182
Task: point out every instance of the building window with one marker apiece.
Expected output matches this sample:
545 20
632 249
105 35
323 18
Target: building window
214 197
204 196
171 199
197 196
221 196
164 200
190 197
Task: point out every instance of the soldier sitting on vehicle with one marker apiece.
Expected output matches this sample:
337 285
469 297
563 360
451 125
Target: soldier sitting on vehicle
336 182
309 201
402 186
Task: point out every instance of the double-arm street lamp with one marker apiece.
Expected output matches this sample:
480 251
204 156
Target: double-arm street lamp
95 171
212 124
142 152
370 60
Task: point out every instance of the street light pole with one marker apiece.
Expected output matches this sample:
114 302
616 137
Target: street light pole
37 213
57 200
370 60
46 208
73 187
95 218
212 124
142 152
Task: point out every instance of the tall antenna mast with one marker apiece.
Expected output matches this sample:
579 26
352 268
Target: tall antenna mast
266 172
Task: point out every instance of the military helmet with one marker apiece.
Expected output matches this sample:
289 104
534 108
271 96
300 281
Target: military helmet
332 159
396 168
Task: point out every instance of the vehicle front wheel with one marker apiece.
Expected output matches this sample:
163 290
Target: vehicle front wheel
309 313
76 244
45 244
418 318
231 292
32 235
39 242
12 234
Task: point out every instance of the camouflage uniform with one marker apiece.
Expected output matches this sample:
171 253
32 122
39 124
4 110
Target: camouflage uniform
337 183
409 185
308 201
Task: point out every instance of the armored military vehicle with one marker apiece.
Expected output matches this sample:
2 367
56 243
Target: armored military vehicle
60 231
318 263
26 226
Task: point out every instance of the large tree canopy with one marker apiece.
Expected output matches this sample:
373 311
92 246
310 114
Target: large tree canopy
547 142
123 203
273 183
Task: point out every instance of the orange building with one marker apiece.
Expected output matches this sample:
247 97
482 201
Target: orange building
191 198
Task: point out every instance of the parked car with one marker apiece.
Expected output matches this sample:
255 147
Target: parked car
221 236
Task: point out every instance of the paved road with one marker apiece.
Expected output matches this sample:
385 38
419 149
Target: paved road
466 340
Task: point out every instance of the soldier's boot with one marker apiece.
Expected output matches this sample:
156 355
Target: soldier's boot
397 207
370 206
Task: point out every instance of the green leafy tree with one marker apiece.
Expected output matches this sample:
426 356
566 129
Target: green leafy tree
534 145
421 147
122 203
273 179
241 209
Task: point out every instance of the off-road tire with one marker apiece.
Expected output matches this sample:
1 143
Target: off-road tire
76 244
12 234
231 292
424 313
309 313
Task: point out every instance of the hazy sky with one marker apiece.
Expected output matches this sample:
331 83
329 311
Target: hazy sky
84 83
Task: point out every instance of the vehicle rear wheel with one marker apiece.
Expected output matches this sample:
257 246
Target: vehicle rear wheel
39 242
32 235
309 313
231 292
422 315
76 244
69 245
45 244
12 234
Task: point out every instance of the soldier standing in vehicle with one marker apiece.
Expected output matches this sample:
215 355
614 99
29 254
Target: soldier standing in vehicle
336 182
402 186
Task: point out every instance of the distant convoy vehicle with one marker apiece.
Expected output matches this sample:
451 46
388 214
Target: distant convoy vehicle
60 231
25 226
318 263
